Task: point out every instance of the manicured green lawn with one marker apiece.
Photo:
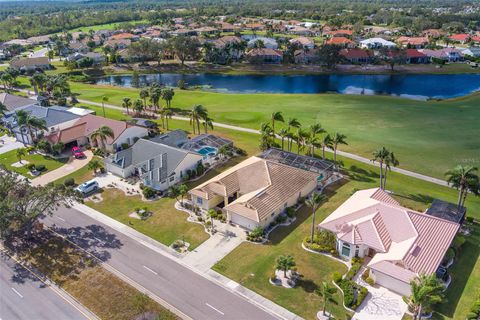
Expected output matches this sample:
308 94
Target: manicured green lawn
428 137
9 158
465 286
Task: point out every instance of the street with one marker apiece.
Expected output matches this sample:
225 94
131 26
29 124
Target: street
189 292
24 297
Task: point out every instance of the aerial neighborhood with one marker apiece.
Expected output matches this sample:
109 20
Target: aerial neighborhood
240 160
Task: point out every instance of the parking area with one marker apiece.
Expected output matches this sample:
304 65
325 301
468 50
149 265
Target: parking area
8 144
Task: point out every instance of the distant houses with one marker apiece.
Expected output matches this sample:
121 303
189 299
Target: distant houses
29 64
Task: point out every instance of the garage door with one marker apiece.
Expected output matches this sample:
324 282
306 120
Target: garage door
392 284
242 221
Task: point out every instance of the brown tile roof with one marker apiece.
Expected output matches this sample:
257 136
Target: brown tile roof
264 186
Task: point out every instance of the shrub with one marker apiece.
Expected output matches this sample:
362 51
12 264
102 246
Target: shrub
69 182
200 169
291 212
31 166
348 289
366 274
469 219
474 313
273 277
125 146
40 167
337 277
353 270
370 281
450 254
458 242
361 294
148 192
281 219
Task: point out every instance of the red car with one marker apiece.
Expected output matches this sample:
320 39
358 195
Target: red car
77 153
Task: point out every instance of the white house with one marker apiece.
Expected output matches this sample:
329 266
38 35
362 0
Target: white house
158 165
376 43
401 243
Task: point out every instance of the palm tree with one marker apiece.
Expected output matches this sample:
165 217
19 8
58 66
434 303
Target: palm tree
390 161
167 95
127 103
338 139
283 134
327 142
21 152
25 119
104 99
426 290
144 95
285 263
212 213
174 192
182 192
207 123
138 106
223 151
155 95
315 129
462 178
167 114
381 156
326 291
314 202
95 165
102 134
197 113
300 138
276 116
292 123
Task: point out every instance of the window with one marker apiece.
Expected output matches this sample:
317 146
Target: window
345 249
199 201
172 178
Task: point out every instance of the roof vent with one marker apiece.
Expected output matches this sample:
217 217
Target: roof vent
415 251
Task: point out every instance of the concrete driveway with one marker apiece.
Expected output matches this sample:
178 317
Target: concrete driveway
380 304
64 170
8 144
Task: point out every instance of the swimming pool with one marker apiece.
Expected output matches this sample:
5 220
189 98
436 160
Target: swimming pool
210 151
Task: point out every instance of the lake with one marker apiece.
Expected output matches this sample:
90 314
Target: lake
414 86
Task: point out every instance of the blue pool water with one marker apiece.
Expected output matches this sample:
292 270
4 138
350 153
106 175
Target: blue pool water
414 86
207 151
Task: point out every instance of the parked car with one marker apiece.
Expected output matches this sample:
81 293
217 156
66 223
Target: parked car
78 153
88 187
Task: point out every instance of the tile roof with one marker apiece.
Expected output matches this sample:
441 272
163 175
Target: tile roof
403 238
338 40
13 102
263 186
24 62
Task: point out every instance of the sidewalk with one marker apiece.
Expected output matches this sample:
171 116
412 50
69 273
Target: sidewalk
209 274
64 170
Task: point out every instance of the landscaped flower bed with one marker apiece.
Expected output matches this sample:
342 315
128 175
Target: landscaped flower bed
353 293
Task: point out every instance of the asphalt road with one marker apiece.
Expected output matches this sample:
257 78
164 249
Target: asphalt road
192 294
23 297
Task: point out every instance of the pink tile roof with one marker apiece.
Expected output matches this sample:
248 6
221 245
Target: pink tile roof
403 238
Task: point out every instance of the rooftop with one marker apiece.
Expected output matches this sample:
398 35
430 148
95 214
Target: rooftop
447 211
298 161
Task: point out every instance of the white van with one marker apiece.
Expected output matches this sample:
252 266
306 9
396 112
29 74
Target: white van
88 187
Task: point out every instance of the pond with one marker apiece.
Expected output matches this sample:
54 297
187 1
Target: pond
414 86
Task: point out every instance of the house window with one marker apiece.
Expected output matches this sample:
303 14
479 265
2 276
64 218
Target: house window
199 201
172 178
345 249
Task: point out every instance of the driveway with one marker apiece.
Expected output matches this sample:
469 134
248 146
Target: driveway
380 303
64 170
8 144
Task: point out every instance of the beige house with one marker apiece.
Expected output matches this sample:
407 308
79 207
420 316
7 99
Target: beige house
254 192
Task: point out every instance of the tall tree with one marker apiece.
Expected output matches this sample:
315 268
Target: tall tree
104 99
426 290
20 153
314 202
337 140
327 142
381 156
144 95
101 134
32 123
197 113
126 103
292 123
390 161
22 204
185 48
274 117
462 178
283 134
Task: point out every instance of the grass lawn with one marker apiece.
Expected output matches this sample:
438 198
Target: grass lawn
444 131
9 158
96 288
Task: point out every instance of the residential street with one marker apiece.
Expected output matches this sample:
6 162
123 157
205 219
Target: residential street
24 297
189 292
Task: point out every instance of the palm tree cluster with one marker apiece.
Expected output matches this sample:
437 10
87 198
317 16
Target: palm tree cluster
30 123
199 114
466 180
285 263
150 99
386 160
51 86
314 136
101 135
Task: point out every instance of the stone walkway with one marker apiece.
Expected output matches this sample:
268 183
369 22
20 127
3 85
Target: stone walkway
64 170
380 303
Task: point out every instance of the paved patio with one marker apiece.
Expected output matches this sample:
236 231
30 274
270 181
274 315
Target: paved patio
380 303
